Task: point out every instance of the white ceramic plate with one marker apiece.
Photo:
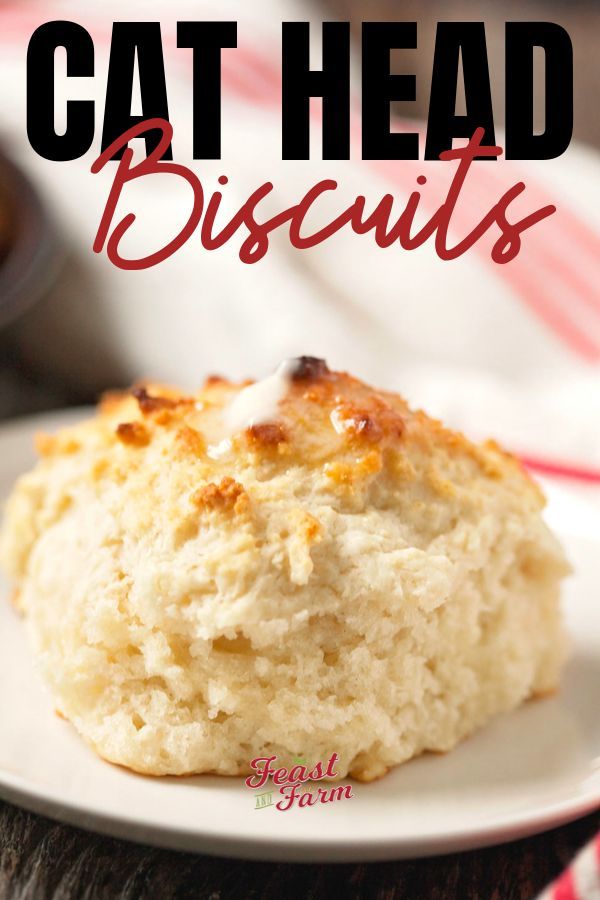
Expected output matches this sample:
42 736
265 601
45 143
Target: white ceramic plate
528 771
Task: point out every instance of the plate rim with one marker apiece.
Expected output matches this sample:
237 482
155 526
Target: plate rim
297 849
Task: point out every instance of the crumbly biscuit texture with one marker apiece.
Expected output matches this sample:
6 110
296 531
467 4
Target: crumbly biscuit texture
351 577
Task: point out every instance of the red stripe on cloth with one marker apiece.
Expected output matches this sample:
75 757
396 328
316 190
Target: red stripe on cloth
564 888
565 254
526 276
565 226
529 277
265 71
562 470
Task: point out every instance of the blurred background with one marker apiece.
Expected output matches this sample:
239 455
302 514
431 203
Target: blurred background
510 350
581 18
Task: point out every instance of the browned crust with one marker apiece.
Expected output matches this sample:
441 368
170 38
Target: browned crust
310 368
112 401
327 419
269 434
135 434
45 444
50 444
370 423
191 441
154 403
544 693
213 380
227 495
309 527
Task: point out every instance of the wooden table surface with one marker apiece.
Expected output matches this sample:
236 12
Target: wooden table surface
42 859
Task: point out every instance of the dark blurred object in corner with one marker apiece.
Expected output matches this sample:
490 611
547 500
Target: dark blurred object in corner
580 18
29 251
6 229
30 259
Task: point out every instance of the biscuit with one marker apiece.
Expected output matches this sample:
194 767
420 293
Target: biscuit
343 575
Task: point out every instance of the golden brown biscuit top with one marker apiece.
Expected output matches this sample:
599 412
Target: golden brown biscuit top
326 420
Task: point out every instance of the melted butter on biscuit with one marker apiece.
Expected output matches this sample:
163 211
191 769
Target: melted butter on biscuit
258 404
